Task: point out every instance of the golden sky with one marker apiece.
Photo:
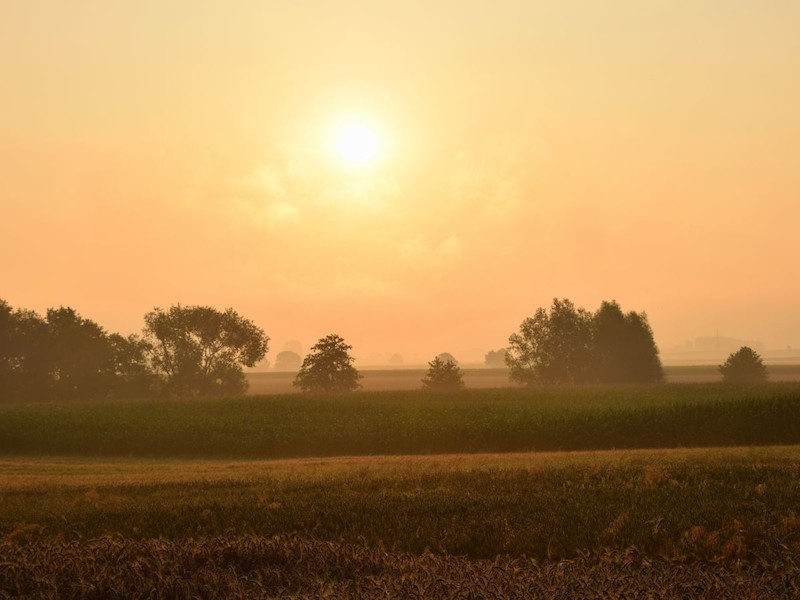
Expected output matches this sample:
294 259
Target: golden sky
173 151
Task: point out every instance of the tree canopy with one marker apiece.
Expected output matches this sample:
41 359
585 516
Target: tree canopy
328 368
200 351
443 376
287 360
743 366
572 345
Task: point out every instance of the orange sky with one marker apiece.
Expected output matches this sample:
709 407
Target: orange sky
156 152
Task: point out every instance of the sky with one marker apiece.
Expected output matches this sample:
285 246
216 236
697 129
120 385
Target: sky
171 151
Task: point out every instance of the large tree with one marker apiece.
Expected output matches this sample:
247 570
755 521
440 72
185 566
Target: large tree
571 345
623 349
552 347
200 351
328 368
81 356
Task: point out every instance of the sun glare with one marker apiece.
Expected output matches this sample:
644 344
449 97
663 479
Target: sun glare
356 143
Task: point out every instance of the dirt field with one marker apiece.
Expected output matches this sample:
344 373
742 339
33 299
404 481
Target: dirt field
273 382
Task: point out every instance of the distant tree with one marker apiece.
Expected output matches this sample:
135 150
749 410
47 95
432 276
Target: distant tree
623 348
133 376
25 354
328 368
288 361
446 356
81 356
572 345
496 358
743 366
200 351
443 376
552 347
396 360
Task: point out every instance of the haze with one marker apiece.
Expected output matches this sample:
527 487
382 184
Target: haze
158 153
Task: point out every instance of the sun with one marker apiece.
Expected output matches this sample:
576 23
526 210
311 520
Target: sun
356 143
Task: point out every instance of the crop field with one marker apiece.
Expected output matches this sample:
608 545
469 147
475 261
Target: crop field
406 494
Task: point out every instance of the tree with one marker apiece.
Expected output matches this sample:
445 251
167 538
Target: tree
496 359
552 347
132 374
443 376
572 345
25 367
328 368
200 351
743 366
81 356
623 349
288 361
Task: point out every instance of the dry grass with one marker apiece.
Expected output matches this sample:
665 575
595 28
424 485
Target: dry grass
294 567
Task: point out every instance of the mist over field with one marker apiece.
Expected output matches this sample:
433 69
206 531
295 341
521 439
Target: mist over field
360 299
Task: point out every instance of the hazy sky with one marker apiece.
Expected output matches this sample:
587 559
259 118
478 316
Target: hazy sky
163 151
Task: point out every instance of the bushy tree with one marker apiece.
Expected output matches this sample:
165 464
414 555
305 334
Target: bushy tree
200 351
288 361
496 358
328 368
133 377
743 366
443 376
572 345
81 356
623 349
552 347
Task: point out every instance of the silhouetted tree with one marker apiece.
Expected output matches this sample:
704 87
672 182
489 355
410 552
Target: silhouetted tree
552 347
288 361
743 366
623 348
328 368
133 376
198 350
572 345
81 356
443 376
25 366
396 359
496 358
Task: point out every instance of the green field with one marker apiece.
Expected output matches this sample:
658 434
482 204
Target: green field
414 422
313 495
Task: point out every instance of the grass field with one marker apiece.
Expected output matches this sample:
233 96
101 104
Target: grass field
343 496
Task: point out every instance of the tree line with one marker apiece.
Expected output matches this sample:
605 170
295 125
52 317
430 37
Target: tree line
201 351
183 351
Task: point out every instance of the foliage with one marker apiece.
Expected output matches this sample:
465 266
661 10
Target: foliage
133 376
743 366
328 368
443 376
496 358
552 347
200 351
572 345
288 361
623 349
